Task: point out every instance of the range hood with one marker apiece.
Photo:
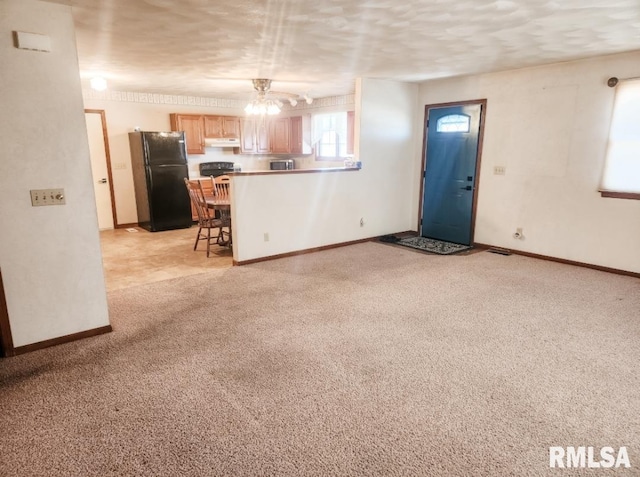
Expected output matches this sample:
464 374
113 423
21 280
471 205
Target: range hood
222 142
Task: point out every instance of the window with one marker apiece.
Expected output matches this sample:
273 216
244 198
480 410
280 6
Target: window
453 123
333 135
621 177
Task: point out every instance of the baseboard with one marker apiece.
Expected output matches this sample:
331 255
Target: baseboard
62 339
303 252
126 226
407 233
562 260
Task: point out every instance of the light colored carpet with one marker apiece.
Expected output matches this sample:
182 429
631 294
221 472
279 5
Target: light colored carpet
366 360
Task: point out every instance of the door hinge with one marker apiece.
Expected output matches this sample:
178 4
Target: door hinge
427 124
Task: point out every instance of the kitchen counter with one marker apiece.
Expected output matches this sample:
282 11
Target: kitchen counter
295 171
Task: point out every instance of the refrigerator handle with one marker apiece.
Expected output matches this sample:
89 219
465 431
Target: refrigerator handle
149 178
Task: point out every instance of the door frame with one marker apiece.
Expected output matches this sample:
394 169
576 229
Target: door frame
107 156
483 112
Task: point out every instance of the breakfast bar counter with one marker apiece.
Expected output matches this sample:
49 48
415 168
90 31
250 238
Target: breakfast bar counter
294 171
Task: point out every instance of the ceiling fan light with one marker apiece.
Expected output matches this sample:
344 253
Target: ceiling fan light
272 109
98 83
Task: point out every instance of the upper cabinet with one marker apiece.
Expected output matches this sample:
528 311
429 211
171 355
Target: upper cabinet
295 138
254 136
197 127
275 136
257 135
221 127
193 127
279 136
263 138
300 135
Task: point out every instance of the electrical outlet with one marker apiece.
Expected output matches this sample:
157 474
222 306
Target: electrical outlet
47 197
266 236
499 170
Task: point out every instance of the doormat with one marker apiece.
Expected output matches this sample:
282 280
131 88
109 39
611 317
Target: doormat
427 244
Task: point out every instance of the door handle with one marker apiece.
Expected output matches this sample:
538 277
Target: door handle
467 188
102 181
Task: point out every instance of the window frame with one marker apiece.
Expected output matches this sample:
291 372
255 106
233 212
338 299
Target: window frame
609 159
349 139
442 124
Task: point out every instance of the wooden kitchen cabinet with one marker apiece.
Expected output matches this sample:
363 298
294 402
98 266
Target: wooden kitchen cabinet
300 135
254 136
221 127
193 127
263 145
279 136
290 135
247 136
295 137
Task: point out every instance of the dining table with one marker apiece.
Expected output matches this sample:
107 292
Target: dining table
223 206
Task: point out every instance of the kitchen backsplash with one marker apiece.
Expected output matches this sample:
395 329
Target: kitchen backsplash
252 162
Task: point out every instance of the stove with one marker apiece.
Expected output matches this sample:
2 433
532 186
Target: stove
215 169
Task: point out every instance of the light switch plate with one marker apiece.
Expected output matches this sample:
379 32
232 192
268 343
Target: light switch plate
32 41
499 170
47 197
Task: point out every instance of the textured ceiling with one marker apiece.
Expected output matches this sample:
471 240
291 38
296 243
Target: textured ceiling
213 48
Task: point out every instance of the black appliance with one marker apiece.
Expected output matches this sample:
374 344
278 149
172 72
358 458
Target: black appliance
282 165
216 169
159 164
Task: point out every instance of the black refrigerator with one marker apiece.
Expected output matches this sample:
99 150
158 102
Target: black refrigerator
159 165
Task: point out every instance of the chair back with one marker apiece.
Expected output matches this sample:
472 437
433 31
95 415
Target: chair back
196 193
221 187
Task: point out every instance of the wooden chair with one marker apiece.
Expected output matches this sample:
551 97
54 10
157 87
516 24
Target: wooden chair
206 219
221 185
221 192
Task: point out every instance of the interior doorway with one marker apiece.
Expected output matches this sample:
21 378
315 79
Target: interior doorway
101 168
451 163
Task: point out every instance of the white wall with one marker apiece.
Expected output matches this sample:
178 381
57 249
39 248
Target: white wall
50 256
302 211
548 126
123 113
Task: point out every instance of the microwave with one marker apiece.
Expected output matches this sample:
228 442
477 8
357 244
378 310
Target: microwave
282 165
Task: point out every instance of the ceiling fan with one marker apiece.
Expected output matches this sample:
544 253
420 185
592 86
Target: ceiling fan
269 102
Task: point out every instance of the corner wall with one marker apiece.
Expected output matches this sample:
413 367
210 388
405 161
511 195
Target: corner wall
548 126
50 256
300 211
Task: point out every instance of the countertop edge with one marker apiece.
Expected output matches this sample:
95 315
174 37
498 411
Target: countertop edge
295 171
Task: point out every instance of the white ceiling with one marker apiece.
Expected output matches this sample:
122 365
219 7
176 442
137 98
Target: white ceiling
213 48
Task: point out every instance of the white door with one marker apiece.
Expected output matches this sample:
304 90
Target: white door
98 152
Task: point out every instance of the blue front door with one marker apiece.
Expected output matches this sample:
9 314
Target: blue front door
450 176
